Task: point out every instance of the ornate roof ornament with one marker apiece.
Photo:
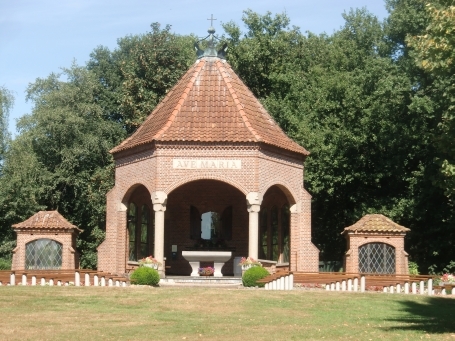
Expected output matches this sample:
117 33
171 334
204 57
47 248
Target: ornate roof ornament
210 50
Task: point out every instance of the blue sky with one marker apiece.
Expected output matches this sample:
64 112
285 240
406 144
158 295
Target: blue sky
40 37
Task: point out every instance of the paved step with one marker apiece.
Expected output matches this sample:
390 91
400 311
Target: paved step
201 281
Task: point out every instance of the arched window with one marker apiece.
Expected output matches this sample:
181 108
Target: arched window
285 233
275 229
140 232
43 254
132 222
263 235
377 258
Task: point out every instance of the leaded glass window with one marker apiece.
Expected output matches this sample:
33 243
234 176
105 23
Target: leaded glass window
377 258
285 231
275 248
43 254
132 221
263 240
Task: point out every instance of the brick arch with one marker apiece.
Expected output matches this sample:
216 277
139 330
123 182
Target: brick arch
205 176
284 188
375 240
44 236
127 195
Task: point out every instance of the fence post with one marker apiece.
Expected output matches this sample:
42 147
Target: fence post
406 287
384 289
43 281
24 279
87 280
349 284
343 285
356 284
414 287
337 286
96 280
421 287
391 289
430 286
103 281
77 278
332 286
291 282
362 283
12 279
398 288
33 280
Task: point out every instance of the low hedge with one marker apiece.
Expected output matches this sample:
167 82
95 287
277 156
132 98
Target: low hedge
252 275
145 276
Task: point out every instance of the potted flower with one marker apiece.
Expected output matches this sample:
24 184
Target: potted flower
207 271
248 262
149 262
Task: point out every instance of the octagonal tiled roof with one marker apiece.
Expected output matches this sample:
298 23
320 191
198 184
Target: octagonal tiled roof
46 220
210 104
375 223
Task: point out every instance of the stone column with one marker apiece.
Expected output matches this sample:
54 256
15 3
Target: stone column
253 201
159 200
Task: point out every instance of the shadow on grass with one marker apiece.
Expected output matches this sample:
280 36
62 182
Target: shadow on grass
435 315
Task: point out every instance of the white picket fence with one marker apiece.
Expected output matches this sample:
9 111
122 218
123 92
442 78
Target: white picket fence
80 278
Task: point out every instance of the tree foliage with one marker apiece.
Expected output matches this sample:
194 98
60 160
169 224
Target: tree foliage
372 102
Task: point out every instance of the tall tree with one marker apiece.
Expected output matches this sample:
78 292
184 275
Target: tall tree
6 103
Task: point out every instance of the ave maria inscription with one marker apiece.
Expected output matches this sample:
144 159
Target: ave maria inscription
206 164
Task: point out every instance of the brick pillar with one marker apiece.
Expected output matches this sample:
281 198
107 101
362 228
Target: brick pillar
159 200
253 200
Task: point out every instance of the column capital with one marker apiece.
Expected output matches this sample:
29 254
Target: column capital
253 208
254 198
295 208
159 197
159 200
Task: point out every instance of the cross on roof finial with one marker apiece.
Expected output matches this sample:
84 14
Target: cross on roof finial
211 20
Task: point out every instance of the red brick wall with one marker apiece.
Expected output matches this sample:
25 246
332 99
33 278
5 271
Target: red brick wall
260 170
351 262
67 239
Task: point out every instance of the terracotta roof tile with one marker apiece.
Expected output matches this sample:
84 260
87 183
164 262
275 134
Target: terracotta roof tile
46 220
210 104
375 223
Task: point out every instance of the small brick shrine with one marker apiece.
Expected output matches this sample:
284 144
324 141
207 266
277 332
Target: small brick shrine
45 241
209 149
375 244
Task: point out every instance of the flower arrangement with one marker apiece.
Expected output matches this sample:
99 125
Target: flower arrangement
448 278
207 271
249 262
149 261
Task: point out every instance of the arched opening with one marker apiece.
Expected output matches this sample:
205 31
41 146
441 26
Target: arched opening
274 226
377 258
140 224
205 215
43 254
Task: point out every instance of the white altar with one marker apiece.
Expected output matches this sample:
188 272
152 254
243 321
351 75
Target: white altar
217 257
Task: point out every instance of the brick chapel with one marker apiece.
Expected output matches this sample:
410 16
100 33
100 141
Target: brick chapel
208 169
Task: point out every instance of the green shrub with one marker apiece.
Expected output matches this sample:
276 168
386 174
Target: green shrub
252 275
145 276
413 268
5 264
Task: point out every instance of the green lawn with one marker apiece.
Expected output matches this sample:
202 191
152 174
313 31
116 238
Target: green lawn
170 313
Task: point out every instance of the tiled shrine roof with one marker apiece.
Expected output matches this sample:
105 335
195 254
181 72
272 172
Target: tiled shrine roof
47 220
210 104
375 223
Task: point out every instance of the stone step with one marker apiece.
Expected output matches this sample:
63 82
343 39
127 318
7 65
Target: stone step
200 281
